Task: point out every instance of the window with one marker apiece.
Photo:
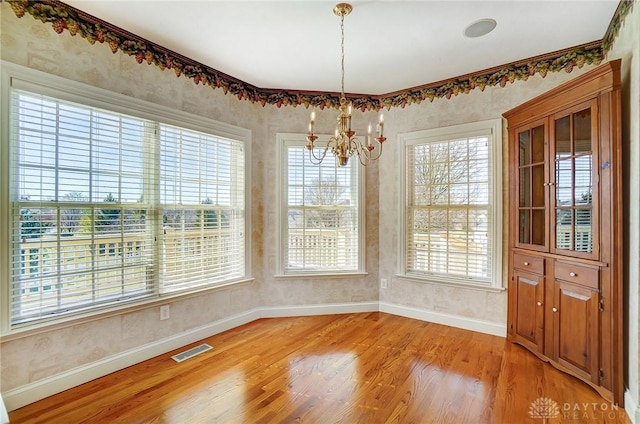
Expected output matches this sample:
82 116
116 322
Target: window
202 196
320 212
452 206
107 207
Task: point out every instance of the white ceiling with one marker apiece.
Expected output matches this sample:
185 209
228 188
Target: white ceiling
389 45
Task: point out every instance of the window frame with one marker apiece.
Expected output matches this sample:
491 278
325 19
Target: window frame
18 77
492 128
284 141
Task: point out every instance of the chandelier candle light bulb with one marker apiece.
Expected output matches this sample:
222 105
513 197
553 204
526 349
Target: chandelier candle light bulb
344 144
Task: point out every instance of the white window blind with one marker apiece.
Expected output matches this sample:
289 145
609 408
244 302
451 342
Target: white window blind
107 208
321 214
202 196
450 209
80 235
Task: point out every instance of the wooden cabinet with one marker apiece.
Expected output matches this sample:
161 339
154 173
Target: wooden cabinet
565 235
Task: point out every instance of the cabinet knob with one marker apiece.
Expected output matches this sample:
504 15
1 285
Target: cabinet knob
539 303
554 309
573 274
526 264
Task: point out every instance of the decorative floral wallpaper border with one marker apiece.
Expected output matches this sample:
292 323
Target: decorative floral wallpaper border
64 17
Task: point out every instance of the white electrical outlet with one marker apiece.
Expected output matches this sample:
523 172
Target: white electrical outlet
164 312
383 283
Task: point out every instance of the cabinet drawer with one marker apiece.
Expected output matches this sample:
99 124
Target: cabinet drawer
578 274
528 263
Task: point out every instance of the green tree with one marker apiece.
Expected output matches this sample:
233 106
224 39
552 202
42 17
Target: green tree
108 220
209 216
31 226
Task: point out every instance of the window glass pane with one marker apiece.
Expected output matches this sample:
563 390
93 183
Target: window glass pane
524 139
537 185
538 226
524 229
583 185
563 137
321 233
448 213
537 144
525 186
582 131
84 248
202 194
564 228
583 231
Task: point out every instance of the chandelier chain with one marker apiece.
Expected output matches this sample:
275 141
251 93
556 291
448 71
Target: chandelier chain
342 50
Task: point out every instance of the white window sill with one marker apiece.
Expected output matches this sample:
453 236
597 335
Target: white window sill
325 275
437 280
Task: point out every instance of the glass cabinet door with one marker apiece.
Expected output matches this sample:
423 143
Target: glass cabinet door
532 211
573 198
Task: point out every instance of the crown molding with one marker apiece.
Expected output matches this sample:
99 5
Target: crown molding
64 17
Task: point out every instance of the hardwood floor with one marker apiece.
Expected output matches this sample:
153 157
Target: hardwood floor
356 368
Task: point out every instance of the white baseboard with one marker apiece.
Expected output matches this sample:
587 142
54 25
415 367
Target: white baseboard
466 323
632 407
320 309
41 389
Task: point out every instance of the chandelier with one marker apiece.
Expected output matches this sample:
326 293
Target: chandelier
344 144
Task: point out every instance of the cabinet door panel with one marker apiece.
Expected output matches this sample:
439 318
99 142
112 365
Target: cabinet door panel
574 150
529 321
531 186
576 329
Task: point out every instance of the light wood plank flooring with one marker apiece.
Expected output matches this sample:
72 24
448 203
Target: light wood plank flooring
355 368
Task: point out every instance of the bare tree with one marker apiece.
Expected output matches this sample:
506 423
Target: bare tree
70 216
325 200
442 175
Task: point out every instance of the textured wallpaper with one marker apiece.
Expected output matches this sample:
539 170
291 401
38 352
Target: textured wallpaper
627 47
31 358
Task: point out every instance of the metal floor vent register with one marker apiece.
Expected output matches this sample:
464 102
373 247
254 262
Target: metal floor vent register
183 356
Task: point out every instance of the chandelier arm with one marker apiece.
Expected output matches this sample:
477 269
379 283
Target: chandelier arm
318 160
367 157
363 152
379 152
